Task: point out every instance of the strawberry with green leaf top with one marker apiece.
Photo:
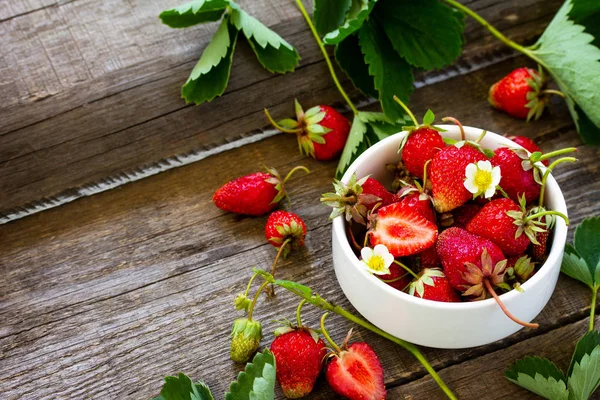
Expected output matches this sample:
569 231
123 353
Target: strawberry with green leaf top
421 143
254 194
522 93
433 285
448 172
299 353
285 229
321 130
245 339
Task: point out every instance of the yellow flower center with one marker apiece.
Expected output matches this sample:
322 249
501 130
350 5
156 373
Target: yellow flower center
483 179
376 263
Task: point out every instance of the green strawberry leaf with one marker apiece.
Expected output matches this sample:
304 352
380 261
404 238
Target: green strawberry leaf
590 133
330 14
427 33
182 388
428 118
576 267
587 243
210 75
273 52
586 345
566 50
349 57
357 14
356 139
392 74
194 12
257 381
585 376
540 376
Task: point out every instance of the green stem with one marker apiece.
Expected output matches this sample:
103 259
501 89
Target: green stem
593 308
327 59
410 271
557 153
547 173
556 92
255 299
405 107
495 32
321 303
250 284
345 199
279 127
298 168
326 334
541 214
279 253
298 313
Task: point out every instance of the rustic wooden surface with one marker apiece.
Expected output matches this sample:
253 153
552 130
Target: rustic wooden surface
102 297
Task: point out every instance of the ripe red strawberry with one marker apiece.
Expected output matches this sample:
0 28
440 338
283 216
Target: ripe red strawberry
255 194
494 222
456 246
521 94
374 187
528 144
322 132
299 354
539 250
422 144
516 181
419 202
398 278
285 227
433 285
402 230
448 175
356 373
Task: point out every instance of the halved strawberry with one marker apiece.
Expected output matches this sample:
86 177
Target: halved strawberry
404 231
356 373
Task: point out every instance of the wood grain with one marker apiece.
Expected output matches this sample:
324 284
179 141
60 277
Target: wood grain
115 107
105 296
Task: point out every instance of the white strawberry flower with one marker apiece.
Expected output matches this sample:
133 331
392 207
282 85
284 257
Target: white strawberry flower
377 260
481 178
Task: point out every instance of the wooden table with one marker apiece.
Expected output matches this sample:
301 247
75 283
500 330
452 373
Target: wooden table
107 291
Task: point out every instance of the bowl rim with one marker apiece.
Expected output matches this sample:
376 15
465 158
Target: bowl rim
339 231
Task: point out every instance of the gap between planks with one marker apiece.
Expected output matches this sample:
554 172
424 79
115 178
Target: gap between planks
176 161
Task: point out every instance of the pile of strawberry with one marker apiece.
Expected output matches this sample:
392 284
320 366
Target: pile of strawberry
352 370
461 222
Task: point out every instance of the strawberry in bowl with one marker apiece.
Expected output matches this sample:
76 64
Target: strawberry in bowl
464 291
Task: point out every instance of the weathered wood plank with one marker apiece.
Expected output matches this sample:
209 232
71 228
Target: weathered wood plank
101 111
473 378
136 283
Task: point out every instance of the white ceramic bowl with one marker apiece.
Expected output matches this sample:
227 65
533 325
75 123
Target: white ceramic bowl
431 323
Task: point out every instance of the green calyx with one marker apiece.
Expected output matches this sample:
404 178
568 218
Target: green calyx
242 302
275 180
425 278
306 126
539 96
291 232
476 278
246 335
526 225
348 200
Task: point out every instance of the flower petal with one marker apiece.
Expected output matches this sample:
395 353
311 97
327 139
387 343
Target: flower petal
388 259
471 186
490 191
381 250
484 165
496 176
366 253
470 171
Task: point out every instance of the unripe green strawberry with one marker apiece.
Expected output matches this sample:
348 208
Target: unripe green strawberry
245 339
